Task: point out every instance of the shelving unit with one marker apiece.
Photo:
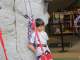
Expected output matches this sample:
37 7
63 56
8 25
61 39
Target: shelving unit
61 25
66 20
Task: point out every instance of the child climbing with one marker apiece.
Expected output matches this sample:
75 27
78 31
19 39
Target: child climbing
39 38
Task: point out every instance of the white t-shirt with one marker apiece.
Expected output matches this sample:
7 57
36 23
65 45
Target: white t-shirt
42 36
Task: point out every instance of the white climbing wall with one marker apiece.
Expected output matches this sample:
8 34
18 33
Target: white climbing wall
15 27
7 4
36 6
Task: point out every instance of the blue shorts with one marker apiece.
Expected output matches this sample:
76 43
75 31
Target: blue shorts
38 57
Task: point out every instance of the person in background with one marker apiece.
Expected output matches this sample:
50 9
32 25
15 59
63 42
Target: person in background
77 22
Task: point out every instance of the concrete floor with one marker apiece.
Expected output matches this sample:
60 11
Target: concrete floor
67 56
73 52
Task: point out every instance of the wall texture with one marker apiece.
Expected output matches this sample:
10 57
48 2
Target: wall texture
15 26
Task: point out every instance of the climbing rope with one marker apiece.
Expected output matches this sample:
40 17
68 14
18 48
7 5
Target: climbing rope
3 46
30 18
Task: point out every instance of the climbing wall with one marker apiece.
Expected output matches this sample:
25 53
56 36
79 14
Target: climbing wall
15 26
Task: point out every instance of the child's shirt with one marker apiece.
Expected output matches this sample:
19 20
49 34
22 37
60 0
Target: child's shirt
42 36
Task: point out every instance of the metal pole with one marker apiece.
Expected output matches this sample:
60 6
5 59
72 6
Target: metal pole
61 32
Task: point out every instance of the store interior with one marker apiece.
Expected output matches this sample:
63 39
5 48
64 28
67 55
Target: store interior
62 31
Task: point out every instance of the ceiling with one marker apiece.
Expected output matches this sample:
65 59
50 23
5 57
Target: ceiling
56 5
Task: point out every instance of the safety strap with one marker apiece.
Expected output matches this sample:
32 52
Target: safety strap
3 46
37 36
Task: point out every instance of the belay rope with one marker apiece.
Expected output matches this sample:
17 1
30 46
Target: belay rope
3 45
30 21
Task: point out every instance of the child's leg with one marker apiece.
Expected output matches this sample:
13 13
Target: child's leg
38 57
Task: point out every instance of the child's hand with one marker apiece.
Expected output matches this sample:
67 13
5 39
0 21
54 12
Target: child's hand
1 29
30 46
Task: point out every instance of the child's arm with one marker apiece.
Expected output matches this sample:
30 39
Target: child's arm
30 46
31 43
